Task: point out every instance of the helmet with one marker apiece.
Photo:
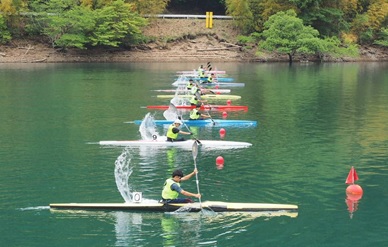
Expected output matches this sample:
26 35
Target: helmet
177 173
177 121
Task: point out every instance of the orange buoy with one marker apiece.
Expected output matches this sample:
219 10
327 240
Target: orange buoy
354 190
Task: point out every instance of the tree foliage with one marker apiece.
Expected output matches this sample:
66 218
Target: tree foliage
5 35
382 37
285 33
241 10
150 6
80 26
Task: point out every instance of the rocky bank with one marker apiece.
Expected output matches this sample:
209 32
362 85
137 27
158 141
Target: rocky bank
174 40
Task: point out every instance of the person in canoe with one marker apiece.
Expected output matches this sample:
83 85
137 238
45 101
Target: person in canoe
196 115
212 78
195 101
173 131
172 188
201 72
190 84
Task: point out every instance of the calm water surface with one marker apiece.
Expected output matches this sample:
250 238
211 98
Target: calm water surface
315 122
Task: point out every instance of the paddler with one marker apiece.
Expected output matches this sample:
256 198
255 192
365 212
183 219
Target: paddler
172 188
173 131
194 101
196 115
190 84
201 72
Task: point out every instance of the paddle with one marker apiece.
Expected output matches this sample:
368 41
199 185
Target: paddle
195 153
214 123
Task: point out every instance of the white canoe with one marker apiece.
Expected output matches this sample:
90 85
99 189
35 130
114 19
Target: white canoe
155 206
205 96
188 91
204 144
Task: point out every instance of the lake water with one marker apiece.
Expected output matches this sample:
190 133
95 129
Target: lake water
315 122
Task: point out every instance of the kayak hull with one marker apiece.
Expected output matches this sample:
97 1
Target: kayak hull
187 144
206 96
155 206
211 85
188 91
207 122
205 107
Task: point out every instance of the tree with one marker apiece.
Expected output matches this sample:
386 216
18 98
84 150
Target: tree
240 9
150 6
382 37
5 35
114 23
80 26
285 33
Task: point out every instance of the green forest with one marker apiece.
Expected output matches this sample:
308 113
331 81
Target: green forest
287 26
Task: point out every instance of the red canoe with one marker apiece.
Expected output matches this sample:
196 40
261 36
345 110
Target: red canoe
206 107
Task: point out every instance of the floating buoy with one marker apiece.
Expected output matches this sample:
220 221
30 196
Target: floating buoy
222 131
219 161
216 86
224 114
218 92
355 191
228 102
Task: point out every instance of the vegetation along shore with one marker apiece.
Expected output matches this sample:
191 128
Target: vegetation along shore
128 31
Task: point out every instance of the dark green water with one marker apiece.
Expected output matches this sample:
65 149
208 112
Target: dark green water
315 122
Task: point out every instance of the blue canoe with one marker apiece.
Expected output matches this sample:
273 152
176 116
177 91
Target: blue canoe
219 79
207 122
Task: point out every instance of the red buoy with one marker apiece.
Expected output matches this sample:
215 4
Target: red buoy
219 161
224 114
355 191
222 131
228 102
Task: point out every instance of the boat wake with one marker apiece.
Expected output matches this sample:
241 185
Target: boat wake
35 208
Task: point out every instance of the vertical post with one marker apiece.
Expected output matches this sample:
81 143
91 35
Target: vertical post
207 19
210 19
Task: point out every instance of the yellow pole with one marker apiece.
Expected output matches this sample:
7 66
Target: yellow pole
210 19
207 19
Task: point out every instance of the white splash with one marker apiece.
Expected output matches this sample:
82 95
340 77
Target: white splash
148 129
122 172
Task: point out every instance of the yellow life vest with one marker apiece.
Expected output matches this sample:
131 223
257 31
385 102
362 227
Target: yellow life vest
193 114
171 134
167 192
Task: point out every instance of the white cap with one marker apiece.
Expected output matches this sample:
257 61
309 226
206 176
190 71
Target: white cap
178 121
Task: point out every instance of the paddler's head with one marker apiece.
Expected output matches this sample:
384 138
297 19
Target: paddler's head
177 174
177 123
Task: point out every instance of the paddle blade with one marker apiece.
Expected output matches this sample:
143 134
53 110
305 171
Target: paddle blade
198 95
194 150
171 113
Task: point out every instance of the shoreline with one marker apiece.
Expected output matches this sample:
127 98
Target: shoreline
175 40
180 51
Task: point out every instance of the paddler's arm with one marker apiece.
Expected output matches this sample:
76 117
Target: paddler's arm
186 193
188 176
184 132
